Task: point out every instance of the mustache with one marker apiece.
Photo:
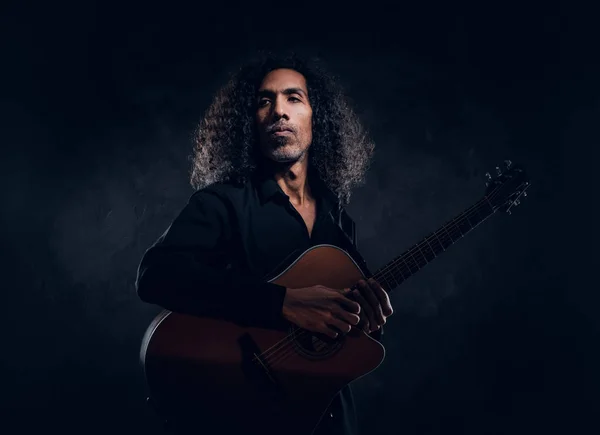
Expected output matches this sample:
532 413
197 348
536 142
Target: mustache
280 126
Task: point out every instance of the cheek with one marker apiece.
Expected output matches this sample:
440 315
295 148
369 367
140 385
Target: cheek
307 124
261 117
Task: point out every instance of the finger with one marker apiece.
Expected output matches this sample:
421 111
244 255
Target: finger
326 330
364 323
383 297
355 295
348 303
369 295
341 325
346 316
370 314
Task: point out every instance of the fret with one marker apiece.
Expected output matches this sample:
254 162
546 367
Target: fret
476 216
446 239
468 221
411 262
479 217
435 240
397 276
478 210
464 226
422 253
397 268
430 250
394 274
454 231
390 275
405 269
391 271
385 281
452 239
418 250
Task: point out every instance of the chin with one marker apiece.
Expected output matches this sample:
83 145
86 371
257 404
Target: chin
280 157
284 153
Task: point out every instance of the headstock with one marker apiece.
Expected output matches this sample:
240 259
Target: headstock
505 190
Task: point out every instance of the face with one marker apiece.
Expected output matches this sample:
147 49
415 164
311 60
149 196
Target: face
284 116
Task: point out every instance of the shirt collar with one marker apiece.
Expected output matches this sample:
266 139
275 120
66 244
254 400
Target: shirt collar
268 189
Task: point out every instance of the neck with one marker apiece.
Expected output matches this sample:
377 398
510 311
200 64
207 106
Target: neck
293 180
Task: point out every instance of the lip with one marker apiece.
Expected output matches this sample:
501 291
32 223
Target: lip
281 132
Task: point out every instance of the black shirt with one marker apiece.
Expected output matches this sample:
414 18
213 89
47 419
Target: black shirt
218 253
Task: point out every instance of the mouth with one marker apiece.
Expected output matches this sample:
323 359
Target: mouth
281 132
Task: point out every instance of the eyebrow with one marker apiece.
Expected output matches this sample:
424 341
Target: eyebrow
287 91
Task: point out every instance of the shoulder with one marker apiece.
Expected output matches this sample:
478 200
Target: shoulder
211 206
223 191
222 197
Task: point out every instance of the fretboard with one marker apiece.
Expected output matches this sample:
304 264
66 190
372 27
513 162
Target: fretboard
414 259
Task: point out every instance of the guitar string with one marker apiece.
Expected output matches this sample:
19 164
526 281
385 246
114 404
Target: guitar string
267 354
384 274
289 338
284 351
465 214
272 356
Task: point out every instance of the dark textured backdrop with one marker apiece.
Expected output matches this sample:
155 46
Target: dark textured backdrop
100 100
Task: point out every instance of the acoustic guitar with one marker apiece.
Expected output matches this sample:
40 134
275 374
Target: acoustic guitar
215 373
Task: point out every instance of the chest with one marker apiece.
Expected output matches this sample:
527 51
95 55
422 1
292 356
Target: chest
276 233
309 215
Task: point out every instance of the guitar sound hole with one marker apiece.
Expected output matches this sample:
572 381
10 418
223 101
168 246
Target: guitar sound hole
315 346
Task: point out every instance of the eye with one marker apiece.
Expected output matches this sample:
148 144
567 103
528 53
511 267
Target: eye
294 99
262 102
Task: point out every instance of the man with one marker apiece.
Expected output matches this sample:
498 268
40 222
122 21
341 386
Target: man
276 157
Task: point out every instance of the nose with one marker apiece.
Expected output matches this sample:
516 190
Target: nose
279 108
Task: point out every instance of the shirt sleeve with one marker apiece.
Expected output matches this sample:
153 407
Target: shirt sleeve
191 269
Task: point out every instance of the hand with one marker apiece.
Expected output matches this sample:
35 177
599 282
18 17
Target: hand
320 309
375 304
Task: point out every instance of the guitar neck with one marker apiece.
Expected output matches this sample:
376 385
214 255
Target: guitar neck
414 259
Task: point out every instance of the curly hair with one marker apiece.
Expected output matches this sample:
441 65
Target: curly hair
225 141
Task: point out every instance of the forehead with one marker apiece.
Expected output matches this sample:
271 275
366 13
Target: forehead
283 78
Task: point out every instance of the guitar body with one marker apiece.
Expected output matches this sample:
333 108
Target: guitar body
206 372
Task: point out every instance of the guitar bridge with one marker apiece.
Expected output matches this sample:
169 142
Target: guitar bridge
255 369
267 372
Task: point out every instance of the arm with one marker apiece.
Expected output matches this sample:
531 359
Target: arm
190 269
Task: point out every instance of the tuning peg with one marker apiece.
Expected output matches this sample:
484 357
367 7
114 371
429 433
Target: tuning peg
516 202
508 163
488 176
498 171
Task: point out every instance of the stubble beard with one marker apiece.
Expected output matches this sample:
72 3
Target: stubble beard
285 151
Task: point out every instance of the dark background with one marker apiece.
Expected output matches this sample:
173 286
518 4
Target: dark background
99 101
